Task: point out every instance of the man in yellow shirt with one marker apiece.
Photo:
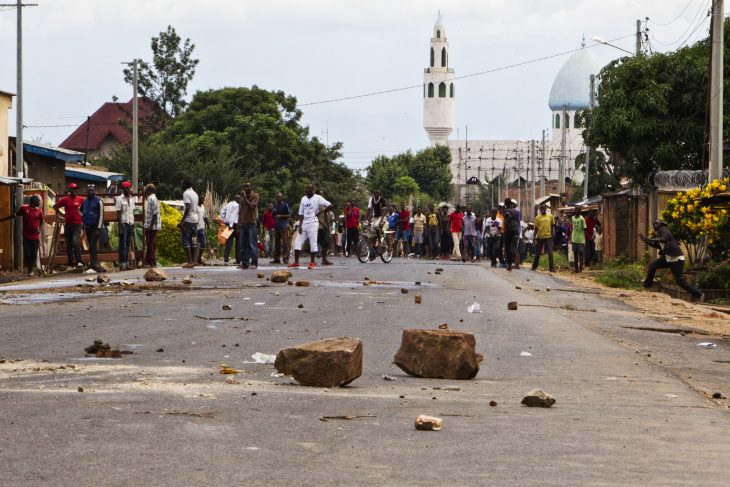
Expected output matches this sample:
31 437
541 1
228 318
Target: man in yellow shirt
543 237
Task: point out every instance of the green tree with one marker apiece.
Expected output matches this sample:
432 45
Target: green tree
601 177
404 187
165 80
429 168
651 111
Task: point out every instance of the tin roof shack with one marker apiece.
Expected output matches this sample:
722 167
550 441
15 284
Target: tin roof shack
6 103
626 213
83 176
46 163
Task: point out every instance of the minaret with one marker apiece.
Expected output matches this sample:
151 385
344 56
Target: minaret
438 88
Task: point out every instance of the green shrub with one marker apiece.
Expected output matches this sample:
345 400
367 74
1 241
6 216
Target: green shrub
716 278
620 273
169 245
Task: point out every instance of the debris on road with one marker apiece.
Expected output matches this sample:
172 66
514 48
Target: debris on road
207 414
429 423
327 418
444 326
388 378
439 354
263 358
537 398
260 275
302 283
492 403
160 350
403 290
300 306
96 346
417 299
215 318
280 276
525 354
155 275
518 287
439 269
226 307
474 308
103 279
80 389
330 362
226 370
512 306
187 280
717 395
707 345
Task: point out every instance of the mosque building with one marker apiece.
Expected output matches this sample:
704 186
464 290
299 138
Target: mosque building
507 161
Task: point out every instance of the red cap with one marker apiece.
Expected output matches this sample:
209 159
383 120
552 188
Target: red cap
72 186
126 184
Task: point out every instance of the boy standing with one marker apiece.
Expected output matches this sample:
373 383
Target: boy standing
32 219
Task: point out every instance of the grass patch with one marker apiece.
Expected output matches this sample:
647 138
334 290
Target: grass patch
559 258
619 273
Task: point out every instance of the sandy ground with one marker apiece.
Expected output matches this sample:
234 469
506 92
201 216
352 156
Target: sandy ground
659 305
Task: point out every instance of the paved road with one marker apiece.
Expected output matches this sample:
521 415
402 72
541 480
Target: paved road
169 418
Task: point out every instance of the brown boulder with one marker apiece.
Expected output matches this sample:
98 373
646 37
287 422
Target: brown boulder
439 354
280 276
327 363
155 275
537 398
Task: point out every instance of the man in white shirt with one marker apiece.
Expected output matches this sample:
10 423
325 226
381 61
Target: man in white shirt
202 225
229 215
125 221
189 223
309 208
152 225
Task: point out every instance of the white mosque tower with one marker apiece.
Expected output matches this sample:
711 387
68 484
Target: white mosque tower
438 89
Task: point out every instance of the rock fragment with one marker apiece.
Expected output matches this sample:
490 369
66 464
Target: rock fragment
260 275
417 299
492 403
440 354
330 362
403 290
302 283
537 398
187 280
102 279
429 423
512 305
227 307
444 326
280 276
155 275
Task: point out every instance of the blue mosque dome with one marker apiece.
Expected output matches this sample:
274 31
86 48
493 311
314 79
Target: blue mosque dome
571 88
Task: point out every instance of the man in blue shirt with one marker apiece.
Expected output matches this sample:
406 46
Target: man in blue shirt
92 216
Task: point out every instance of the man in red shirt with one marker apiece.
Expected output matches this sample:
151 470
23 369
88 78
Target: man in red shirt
32 219
269 222
456 218
403 232
72 224
352 224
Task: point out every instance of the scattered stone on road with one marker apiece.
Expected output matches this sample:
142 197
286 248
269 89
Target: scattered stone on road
330 362
227 307
155 275
428 423
300 306
227 370
260 275
97 346
492 403
536 398
417 298
388 378
512 305
103 279
439 354
302 283
280 276
187 280
404 290
80 389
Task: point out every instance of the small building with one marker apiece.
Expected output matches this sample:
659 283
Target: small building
626 213
46 163
6 103
108 127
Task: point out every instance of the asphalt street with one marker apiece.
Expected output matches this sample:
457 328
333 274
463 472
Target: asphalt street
164 415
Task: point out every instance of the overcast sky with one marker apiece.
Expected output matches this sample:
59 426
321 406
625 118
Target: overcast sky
323 49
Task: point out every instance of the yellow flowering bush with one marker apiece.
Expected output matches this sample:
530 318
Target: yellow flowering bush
691 221
169 244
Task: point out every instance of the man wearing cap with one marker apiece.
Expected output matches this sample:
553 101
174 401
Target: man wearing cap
71 204
152 225
32 220
125 222
544 235
92 214
578 240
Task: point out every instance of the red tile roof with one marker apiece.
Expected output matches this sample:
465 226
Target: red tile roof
112 119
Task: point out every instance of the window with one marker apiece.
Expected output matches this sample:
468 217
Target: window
432 57
451 90
430 90
567 121
443 57
557 121
438 34
442 90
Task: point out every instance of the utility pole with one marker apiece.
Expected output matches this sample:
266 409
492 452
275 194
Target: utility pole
19 163
542 167
588 148
532 178
716 91
135 125
638 37
561 164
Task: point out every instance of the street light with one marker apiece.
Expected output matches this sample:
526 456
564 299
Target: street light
606 43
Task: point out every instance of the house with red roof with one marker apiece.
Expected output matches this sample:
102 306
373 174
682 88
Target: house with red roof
108 127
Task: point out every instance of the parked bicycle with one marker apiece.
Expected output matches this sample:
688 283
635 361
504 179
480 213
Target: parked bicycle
373 243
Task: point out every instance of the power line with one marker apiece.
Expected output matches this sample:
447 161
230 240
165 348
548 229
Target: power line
677 17
480 73
703 6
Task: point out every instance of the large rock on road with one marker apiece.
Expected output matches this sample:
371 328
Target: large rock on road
330 362
439 354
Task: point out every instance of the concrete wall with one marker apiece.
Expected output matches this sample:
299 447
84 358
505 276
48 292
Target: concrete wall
6 102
